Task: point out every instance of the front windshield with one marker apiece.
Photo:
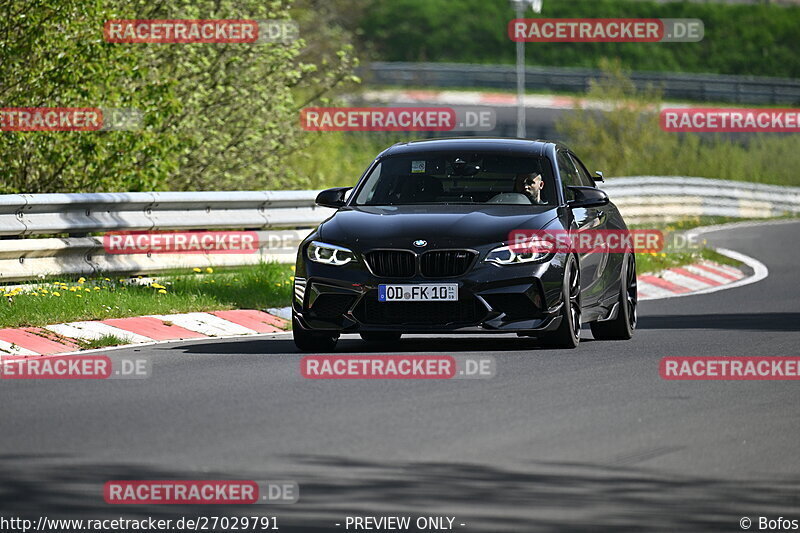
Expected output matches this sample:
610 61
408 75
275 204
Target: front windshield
459 178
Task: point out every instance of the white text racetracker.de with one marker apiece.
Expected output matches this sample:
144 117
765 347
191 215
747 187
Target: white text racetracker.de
400 523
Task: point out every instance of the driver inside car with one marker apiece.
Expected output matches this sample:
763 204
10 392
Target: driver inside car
531 185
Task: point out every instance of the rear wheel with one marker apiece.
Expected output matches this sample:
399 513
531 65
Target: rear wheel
381 336
622 327
568 334
307 341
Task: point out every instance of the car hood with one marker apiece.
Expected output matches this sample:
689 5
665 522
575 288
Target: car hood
441 226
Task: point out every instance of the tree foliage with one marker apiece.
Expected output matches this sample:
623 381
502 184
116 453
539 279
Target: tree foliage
216 116
759 40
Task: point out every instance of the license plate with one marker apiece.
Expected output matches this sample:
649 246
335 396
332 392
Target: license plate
446 292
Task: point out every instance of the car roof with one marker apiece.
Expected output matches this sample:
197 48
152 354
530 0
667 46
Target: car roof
478 144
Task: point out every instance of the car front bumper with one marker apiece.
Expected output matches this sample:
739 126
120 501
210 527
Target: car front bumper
523 298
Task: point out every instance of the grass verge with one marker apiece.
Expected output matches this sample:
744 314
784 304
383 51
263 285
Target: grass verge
691 223
103 342
67 300
655 262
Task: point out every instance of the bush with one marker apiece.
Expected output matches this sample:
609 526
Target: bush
627 140
216 116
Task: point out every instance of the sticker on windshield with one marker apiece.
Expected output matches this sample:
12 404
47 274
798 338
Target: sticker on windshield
417 167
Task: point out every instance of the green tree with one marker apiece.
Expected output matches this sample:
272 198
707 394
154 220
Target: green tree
216 116
52 55
758 40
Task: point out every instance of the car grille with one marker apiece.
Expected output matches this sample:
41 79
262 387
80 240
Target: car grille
445 263
392 263
433 264
465 311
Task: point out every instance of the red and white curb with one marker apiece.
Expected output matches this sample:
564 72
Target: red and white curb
482 98
698 278
687 279
64 338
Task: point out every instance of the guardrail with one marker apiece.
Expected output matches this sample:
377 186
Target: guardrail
45 214
283 218
661 198
701 87
77 215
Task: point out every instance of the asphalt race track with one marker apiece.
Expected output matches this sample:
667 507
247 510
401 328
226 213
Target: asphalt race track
590 439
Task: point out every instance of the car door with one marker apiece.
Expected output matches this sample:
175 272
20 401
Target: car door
602 260
584 219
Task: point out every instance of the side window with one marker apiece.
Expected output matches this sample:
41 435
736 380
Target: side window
583 175
569 174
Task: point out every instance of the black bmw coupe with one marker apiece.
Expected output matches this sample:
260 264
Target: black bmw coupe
421 245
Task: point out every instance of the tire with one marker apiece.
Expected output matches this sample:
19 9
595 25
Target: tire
622 327
307 341
568 334
388 336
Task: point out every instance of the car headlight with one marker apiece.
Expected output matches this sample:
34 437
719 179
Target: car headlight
512 255
329 254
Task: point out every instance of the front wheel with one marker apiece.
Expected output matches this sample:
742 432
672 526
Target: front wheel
622 327
568 334
307 341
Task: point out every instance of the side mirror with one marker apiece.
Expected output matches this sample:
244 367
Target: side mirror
332 197
598 176
587 197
